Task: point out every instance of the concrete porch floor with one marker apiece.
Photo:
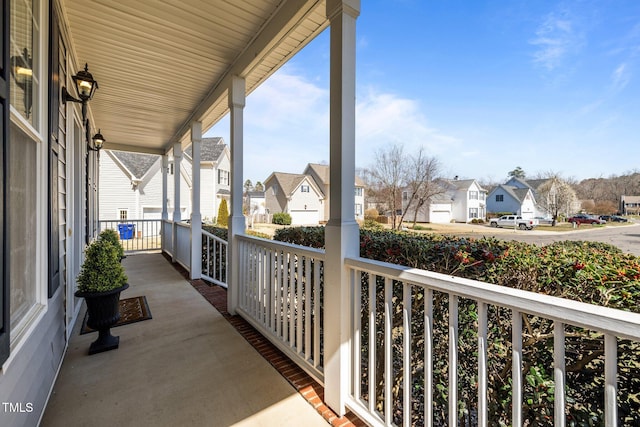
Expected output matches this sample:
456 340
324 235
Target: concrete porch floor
186 366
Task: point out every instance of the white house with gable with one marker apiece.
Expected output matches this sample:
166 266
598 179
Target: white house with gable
295 194
131 183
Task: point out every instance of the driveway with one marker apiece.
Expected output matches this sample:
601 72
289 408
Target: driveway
625 237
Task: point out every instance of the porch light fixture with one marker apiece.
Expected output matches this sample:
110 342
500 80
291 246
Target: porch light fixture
85 86
22 72
98 140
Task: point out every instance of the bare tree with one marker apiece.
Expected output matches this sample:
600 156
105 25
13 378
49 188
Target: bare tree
387 176
557 196
422 170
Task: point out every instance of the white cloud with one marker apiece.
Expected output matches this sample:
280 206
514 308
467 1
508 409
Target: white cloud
385 118
555 38
287 126
620 77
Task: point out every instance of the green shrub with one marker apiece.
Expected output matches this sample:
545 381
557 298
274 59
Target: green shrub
312 237
112 236
281 218
258 234
372 224
101 270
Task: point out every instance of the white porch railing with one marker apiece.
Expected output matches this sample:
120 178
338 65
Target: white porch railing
136 235
389 300
403 320
182 246
214 259
280 294
167 236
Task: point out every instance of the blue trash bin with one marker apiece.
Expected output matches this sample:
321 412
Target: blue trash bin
126 231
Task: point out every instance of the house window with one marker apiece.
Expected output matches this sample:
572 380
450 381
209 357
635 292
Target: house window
274 190
304 188
24 58
359 191
405 196
24 259
223 177
358 209
473 212
473 195
499 197
123 214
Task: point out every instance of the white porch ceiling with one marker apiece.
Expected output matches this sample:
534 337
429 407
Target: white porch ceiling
161 65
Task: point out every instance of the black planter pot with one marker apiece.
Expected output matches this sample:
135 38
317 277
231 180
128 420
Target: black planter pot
104 312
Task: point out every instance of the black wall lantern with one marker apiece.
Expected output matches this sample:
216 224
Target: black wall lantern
85 86
22 72
98 140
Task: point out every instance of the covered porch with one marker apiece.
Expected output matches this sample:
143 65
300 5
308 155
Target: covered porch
185 366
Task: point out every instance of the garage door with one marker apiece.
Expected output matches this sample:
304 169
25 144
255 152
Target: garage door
304 217
440 217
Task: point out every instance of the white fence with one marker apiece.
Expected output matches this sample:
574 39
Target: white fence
280 294
214 259
136 235
394 329
182 244
167 236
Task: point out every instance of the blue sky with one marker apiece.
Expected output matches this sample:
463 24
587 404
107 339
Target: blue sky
484 86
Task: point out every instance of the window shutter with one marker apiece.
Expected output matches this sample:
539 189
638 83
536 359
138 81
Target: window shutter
4 136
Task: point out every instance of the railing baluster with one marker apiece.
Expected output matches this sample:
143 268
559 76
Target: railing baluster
356 330
610 380
299 275
257 297
453 360
270 290
371 369
483 411
388 362
516 384
558 374
428 357
406 353
307 308
286 297
279 266
317 307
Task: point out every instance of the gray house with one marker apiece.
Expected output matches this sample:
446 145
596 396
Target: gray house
508 198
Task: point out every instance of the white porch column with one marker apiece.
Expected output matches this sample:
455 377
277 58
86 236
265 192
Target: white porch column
341 233
164 168
236 219
196 215
177 159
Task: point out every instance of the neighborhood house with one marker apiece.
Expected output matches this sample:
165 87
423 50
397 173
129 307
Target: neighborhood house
305 196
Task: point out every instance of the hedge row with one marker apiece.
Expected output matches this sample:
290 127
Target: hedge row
590 272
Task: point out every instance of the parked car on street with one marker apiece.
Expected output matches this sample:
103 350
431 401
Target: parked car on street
618 218
585 219
544 219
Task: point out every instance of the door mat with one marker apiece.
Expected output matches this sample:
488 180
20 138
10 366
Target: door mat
132 310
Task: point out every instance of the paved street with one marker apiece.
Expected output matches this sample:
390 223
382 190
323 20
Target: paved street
627 237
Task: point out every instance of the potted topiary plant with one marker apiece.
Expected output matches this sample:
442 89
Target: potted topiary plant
112 236
100 282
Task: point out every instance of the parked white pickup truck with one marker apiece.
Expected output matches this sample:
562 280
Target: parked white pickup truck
514 221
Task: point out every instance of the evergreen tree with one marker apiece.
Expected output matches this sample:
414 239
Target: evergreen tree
223 214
